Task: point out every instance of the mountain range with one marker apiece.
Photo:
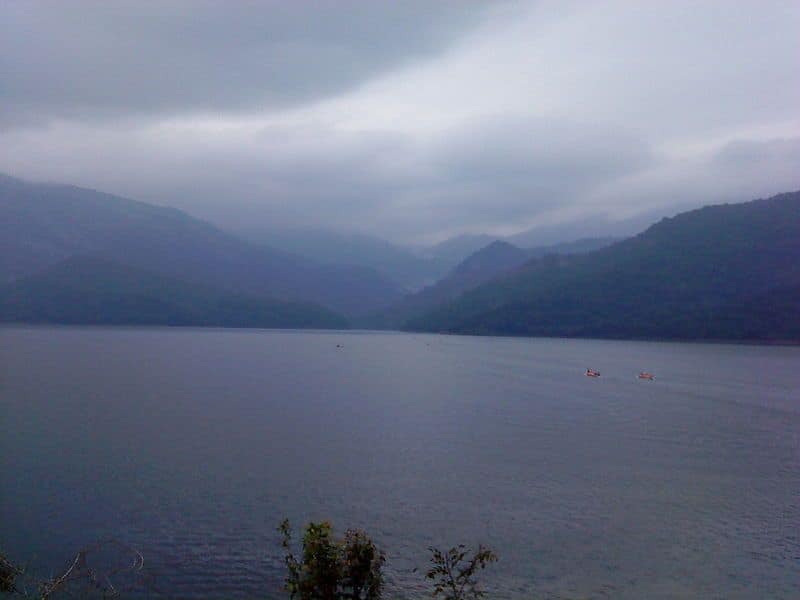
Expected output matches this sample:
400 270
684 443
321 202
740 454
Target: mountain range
489 262
44 224
413 268
721 272
409 268
74 255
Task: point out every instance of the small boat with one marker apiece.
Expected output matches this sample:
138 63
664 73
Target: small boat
646 375
592 373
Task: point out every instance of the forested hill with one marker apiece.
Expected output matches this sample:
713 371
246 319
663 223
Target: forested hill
720 272
489 262
44 224
83 290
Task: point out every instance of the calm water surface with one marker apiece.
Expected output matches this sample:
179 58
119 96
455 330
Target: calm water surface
192 445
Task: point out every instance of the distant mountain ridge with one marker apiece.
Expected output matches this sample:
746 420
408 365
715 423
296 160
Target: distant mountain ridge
588 226
413 268
454 250
74 255
43 224
410 270
695 275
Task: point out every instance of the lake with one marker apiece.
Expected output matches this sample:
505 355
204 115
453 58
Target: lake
192 445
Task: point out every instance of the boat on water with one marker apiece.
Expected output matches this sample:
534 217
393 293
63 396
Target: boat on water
646 375
592 373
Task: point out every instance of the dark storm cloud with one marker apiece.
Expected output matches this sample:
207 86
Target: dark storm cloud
122 58
411 120
492 172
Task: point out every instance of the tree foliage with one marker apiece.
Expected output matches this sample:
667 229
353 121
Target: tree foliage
8 575
454 572
330 568
104 569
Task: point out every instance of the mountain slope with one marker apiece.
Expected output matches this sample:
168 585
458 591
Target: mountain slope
675 280
42 224
484 265
396 263
476 269
580 246
588 226
85 290
454 250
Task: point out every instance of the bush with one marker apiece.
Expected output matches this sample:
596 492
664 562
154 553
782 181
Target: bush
454 572
331 569
8 575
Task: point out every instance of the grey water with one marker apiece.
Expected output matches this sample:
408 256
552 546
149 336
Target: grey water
191 446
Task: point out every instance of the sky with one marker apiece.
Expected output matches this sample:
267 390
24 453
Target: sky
413 121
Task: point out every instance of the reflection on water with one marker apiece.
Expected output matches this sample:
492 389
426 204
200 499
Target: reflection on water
192 445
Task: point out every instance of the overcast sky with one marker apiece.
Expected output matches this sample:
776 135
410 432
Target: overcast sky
409 120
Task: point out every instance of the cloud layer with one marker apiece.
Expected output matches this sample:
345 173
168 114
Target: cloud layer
414 121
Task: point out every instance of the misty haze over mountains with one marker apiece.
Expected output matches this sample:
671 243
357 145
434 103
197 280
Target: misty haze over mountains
71 255
415 267
43 224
